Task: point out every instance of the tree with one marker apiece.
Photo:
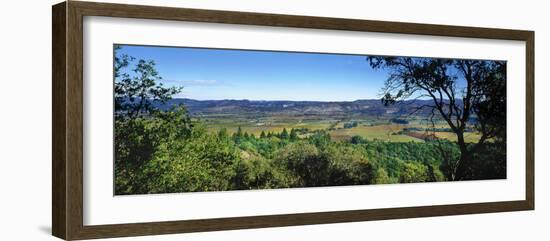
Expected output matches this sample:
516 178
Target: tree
137 91
303 160
284 134
222 133
239 132
413 172
293 135
381 177
262 135
356 139
237 136
461 91
138 139
349 125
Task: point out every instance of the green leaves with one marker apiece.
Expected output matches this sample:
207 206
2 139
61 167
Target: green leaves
137 91
463 91
165 151
165 154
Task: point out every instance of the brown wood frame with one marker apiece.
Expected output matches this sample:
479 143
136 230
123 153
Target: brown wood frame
67 121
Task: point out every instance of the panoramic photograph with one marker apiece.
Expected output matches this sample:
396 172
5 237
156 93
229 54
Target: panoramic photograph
202 119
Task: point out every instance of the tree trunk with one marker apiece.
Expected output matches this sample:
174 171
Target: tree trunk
461 169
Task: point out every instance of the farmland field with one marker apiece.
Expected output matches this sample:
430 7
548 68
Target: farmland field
256 126
370 128
220 119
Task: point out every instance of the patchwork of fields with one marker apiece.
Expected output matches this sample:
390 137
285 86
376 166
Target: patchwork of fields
369 128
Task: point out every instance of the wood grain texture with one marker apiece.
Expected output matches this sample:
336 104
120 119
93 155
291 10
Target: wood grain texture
59 192
279 20
530 120
74 110
121 230
67 150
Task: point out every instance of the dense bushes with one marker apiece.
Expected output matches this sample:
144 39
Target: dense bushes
330 165
166 153
162 151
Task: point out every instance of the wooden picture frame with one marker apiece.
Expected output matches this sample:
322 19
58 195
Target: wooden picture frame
67 124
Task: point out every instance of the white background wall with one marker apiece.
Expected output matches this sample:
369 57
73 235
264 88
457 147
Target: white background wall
25 120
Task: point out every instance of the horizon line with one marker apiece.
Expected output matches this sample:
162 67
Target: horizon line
281 100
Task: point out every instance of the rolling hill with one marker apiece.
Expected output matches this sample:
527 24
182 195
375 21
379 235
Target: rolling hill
371 107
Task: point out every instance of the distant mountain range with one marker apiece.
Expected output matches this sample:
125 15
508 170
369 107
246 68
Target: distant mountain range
371 107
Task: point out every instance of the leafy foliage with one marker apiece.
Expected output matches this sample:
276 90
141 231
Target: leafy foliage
164 151
482 97
135 92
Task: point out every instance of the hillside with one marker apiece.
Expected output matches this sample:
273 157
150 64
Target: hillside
370 107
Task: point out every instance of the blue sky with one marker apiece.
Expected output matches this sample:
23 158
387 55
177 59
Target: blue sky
214 74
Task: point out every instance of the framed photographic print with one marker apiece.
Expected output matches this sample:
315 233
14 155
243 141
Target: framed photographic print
171 120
